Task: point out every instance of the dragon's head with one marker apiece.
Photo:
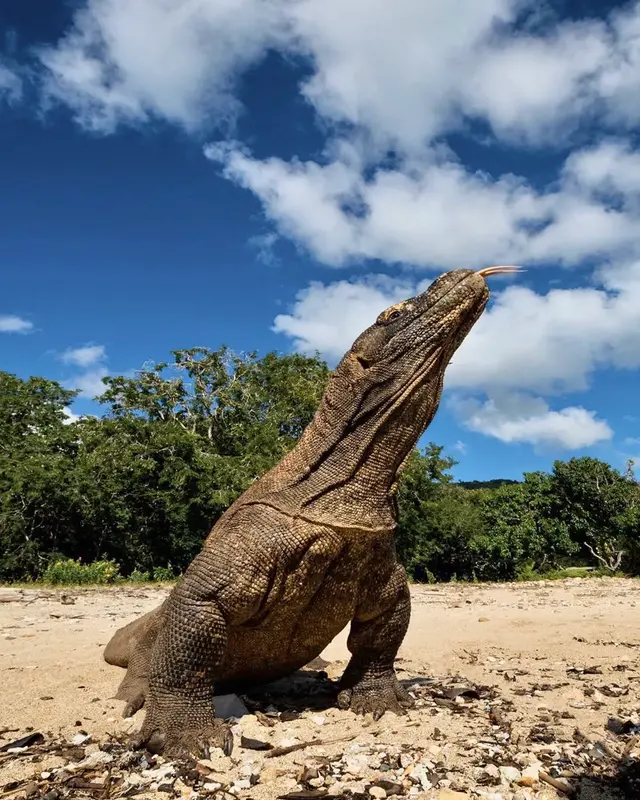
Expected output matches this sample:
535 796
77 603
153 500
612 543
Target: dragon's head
398 363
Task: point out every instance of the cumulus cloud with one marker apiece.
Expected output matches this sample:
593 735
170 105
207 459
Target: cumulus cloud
521 418
90 382
436 213
90 359
414 73
550 343
179 60
84 356
9 323
70 417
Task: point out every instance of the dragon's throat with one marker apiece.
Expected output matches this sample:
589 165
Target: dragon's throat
349 481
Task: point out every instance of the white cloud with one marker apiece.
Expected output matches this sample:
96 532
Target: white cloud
529 87
179 60
610 168
434 213
9 323
412 72
264 245
90 382
90 359
549 343
70 417
415 71
84 356
401 76
394 69
520 418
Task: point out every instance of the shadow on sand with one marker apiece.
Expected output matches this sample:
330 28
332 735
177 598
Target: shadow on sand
622 784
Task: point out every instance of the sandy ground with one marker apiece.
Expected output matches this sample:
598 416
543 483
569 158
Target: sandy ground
531 642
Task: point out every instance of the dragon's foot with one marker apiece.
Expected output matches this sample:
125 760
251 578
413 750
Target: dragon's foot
183 728
375 695
134 692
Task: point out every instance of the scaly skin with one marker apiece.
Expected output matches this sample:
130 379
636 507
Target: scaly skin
309 547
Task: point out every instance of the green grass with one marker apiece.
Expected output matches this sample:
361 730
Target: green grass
70 572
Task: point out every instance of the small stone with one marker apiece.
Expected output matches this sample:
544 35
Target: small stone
390 787
31 789
249 769
378 792
492 772
419 775
269 776
483 619
287 742
211 786
229 705
317 782
80 738
318 720
450 794
244 783
160 773
530 776
509 774
96 759
356 765
185 791
308 773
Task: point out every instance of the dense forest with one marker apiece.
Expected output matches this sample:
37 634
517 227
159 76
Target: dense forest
137 489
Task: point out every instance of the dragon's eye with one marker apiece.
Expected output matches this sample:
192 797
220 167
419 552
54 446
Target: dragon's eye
388 316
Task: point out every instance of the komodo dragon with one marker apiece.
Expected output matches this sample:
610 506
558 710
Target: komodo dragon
309 547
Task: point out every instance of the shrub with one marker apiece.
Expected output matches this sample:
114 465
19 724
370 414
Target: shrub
69 571
163 573
137 576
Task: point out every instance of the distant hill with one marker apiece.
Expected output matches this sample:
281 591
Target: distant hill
492 484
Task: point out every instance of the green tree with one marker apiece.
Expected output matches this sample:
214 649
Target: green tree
424 473
600 507
523 529
37 450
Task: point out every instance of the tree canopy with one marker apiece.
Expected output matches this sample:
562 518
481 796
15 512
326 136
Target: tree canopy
142 484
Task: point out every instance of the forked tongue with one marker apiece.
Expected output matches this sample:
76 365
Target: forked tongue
505 270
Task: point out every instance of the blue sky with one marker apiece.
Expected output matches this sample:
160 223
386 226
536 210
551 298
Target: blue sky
270 174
